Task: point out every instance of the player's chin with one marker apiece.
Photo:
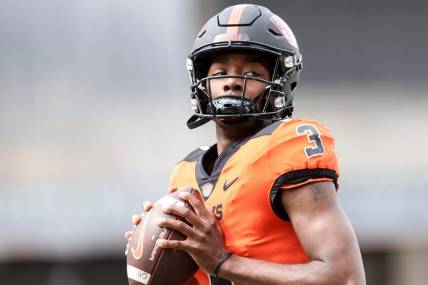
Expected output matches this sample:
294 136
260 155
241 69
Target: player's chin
238 122
233 121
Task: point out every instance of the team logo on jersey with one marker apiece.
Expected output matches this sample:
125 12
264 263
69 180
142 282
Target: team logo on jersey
207 188
227 185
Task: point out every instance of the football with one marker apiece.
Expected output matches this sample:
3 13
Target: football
153 265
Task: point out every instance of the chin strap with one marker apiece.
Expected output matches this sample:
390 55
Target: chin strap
195 121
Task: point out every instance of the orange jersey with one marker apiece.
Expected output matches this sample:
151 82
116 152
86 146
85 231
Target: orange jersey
245 185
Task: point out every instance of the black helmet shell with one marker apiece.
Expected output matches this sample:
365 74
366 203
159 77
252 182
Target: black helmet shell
255 29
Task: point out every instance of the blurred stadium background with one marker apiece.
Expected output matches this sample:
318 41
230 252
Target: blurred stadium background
93 104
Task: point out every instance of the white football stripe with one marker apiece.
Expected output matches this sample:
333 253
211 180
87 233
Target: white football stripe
137 274
168 200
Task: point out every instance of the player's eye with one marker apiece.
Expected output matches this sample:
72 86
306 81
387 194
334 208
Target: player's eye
252 74
219 73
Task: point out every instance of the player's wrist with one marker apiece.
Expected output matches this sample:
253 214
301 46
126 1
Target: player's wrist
226 270
220 263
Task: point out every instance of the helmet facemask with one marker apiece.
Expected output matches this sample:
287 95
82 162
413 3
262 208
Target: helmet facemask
273 103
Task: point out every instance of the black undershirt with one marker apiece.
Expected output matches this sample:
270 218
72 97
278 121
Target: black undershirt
209 159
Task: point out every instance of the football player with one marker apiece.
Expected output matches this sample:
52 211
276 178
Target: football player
267 211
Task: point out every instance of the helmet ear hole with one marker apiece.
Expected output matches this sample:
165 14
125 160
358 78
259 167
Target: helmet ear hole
293 85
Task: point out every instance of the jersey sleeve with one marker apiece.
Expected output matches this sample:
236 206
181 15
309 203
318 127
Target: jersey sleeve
183 174
303 152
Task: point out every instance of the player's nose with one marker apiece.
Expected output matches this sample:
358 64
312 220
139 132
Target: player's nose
233 85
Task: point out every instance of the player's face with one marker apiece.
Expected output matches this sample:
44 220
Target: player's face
238 64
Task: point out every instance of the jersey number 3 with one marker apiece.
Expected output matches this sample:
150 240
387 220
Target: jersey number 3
313 137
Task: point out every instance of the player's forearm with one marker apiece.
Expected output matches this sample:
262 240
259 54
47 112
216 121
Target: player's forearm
248 271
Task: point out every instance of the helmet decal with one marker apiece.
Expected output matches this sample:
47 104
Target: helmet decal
285 30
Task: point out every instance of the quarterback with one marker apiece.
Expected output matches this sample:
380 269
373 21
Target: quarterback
266 211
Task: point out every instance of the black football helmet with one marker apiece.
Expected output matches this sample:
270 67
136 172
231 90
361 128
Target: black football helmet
253 29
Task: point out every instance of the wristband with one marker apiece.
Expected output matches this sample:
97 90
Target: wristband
217 267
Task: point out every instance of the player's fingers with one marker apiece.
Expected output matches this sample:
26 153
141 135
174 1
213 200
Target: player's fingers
178 225
135 220
147 205
183 212
172 189
196 202
174 244
209 209
128 234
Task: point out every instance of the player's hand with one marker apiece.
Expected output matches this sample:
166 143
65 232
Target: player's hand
147 205
205 241
193 281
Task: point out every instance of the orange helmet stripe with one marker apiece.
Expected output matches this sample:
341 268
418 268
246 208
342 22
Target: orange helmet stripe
234 21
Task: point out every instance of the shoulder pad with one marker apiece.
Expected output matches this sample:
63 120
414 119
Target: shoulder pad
301 144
